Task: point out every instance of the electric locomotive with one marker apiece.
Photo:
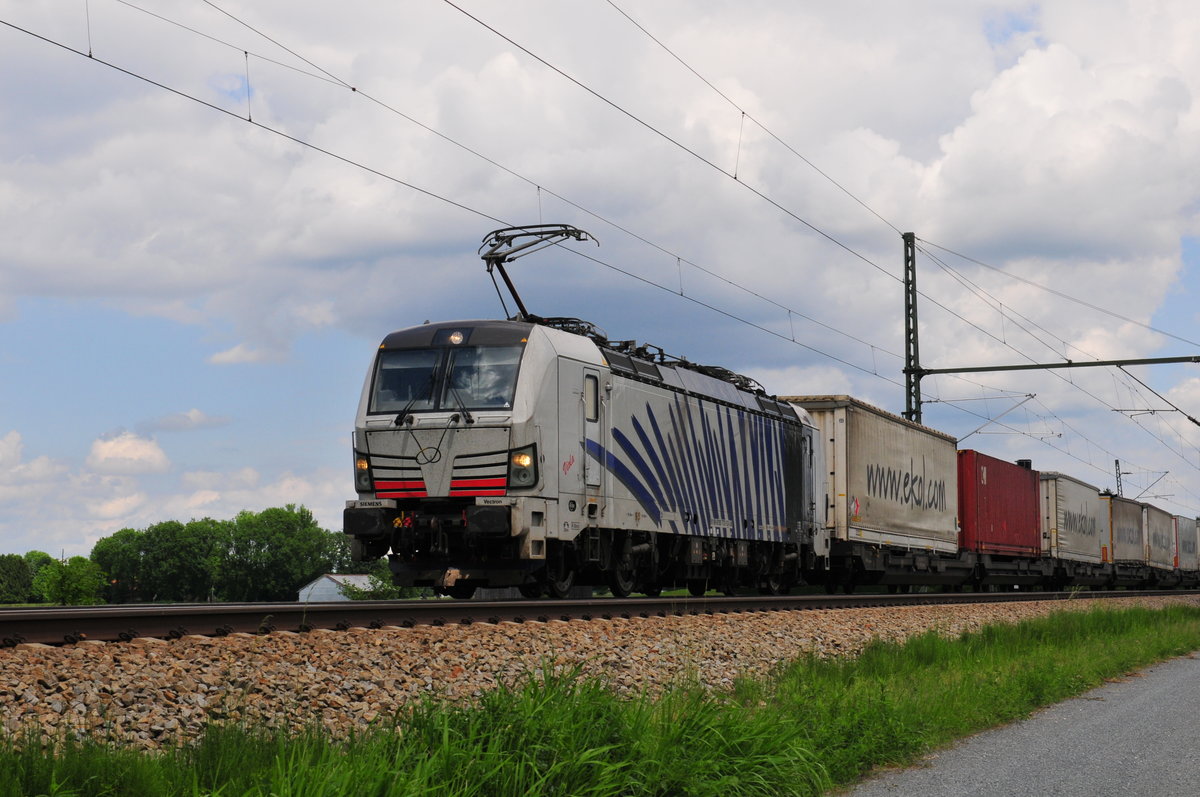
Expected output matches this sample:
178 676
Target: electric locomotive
542 455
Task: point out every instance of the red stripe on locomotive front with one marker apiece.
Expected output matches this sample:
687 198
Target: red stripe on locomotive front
466 484
397 489
409 485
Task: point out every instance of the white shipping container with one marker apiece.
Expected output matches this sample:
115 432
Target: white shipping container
892 482
1128 529
1160 538
1187 534
1188 542
1074 519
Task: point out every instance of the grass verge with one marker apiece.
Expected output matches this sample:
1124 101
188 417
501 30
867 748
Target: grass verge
810 726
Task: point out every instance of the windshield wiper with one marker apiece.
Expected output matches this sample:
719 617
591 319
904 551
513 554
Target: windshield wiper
462 405
418 397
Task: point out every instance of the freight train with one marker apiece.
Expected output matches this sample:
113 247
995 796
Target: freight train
538 454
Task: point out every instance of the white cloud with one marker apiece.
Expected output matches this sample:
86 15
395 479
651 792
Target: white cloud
242 353
22 481
204 481
118 507
323 492
202 498
10 450
184 421
127 454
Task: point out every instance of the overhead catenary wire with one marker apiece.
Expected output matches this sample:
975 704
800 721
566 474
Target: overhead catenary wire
979 292
673 141
747 115
240 49
711 164
335 79
1063 295
744 115
433 195
873 347
332 78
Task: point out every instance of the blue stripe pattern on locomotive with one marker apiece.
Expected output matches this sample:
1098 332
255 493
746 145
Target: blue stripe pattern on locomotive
725 465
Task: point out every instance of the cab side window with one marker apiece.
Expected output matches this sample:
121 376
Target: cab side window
591 398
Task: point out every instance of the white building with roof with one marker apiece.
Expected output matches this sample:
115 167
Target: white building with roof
329 587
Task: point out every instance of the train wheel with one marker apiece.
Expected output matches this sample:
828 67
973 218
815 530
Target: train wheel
620 573
697 587
560 585
620 582
774 584
462 592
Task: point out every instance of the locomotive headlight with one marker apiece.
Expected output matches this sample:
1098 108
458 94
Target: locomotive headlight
522 467
362 475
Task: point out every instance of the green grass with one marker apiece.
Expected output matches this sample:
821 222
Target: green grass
802 730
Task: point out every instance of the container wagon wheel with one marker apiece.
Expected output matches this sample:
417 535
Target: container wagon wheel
774 584
559 585
697 586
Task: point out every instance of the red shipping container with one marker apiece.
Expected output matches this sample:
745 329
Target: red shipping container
997 506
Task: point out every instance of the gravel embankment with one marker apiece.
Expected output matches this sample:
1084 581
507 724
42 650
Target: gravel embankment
150 692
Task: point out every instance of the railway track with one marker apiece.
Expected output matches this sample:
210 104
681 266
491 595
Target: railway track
71 625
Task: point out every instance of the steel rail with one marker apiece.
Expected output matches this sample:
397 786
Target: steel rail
69 625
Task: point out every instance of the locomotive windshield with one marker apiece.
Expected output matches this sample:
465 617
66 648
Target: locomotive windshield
466 377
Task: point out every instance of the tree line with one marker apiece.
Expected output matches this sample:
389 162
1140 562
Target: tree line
256 556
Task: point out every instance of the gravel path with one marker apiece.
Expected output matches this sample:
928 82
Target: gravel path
151 692
1127 737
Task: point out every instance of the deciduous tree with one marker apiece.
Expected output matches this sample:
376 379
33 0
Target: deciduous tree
121 557
179 559
16 579
275 552
75 582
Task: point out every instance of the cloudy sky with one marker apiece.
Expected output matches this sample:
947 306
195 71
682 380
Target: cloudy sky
208 225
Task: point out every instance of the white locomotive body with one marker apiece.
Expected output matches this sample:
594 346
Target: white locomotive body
508 453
